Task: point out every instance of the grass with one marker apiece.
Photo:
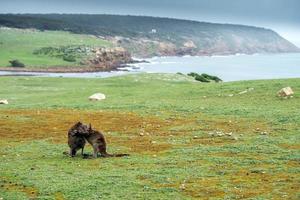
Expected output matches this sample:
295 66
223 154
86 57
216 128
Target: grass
164 121
21 43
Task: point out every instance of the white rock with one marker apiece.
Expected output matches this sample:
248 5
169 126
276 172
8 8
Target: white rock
243 92
211 133
235 138
182 186
229 134
3 101
285 92
97 97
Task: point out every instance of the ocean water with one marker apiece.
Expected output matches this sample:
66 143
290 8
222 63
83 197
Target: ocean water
228 68
231 68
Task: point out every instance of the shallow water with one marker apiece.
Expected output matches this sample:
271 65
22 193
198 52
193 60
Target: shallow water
228 68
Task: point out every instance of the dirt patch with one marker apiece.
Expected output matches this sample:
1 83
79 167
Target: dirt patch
204 188
212 141
31 192
198 188
22 125
293 163
290 146
146 145
253 183
59 196
244 126
138 133
40 124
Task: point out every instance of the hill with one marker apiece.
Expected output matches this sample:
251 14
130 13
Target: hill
26 45
152 36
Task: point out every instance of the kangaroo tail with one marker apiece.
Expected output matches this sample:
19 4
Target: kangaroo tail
120 155
115 155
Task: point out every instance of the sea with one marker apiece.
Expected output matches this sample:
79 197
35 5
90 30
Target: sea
228 68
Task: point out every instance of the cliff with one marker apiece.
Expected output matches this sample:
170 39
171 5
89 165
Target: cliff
108 58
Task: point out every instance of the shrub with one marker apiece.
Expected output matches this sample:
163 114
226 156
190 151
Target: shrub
214 78
69 58
193 74
201 79
204 77
16 63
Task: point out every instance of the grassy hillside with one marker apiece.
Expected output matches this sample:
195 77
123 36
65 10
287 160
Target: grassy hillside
166 36
21 43
167 123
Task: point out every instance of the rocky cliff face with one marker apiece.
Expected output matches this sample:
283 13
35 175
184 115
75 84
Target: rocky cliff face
108 58
263 41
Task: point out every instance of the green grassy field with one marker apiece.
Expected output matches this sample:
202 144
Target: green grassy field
165 122
20 44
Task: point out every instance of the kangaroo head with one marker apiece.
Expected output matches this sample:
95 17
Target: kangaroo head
79 129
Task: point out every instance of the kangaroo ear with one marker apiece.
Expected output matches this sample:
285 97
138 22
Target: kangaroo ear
78 124
90 127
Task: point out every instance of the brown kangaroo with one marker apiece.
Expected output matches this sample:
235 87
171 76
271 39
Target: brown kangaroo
76 139
97 140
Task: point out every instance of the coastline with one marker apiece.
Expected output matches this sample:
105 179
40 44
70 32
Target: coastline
79 69
59 69
229 68
119 67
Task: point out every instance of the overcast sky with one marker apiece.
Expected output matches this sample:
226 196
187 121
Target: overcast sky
282 16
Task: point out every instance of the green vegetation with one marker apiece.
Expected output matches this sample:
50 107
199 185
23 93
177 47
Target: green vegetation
16 63
31 46
67 53
213 78
204 77
177 155
201 79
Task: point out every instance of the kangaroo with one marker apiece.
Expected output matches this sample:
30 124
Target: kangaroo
97 140
76 139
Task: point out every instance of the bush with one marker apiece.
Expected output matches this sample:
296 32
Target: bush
69 58
204 77
214 78
16 63
67 53
201 79
193 74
